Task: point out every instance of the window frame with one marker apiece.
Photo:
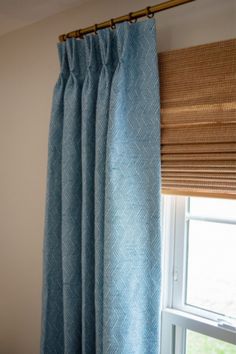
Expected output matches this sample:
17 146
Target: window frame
177 317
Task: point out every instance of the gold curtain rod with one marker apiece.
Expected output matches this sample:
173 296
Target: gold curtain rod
131 17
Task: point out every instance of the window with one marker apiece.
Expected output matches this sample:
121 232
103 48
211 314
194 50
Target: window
199 300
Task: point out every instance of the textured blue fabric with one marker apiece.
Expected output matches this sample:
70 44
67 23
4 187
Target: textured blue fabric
102 248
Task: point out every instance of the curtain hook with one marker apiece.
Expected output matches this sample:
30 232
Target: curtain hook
95 28
149 13
112 24
131 19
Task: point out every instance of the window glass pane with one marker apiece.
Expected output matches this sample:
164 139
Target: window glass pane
211 207
197 343
211 279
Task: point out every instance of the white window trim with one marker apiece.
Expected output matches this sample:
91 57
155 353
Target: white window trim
176 318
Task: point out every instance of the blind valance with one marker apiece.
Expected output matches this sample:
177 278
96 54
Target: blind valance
198 119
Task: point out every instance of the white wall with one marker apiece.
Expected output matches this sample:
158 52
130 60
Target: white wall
28 71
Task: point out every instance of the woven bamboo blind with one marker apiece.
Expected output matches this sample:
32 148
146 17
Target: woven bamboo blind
198 119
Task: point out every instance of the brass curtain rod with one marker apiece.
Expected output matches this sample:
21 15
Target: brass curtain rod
131 17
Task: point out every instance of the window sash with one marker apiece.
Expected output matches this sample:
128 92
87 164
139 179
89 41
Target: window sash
176 315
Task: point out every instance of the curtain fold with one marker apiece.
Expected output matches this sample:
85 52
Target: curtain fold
72 198
102 248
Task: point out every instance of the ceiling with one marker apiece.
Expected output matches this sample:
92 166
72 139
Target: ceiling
19 13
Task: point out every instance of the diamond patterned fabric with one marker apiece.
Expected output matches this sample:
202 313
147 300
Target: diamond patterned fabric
102 246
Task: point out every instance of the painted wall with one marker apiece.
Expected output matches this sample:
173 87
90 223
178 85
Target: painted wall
28 71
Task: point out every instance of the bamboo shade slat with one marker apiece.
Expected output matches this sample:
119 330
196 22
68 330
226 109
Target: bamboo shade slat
198 120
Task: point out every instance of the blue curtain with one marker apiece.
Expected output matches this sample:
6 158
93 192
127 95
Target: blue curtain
102 248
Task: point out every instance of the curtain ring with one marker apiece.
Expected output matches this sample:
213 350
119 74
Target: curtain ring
95 28
79 34
149 13
112 24
131 19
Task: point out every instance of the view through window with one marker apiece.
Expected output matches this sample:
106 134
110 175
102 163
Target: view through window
211 267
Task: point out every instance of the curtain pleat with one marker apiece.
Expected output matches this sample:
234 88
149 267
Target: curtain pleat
102 249
108 47
72 198
132 235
